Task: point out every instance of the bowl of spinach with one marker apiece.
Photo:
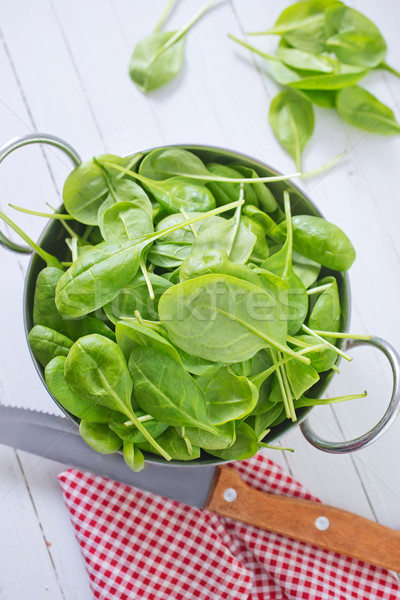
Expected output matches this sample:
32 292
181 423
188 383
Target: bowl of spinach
185 304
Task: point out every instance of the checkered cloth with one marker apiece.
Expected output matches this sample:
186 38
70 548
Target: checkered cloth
138 545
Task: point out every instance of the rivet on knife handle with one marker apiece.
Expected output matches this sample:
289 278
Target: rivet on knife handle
312 522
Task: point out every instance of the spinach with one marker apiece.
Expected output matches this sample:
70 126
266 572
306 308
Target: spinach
230 236
158 58
133 456
46 343
326 312
224 438
325 49
75 404
229 397
292 120
245 445
175 445
353 37
85 188
135 297
244 318
96 369
207 308
128 432
361 109
321 241
100 437
166 391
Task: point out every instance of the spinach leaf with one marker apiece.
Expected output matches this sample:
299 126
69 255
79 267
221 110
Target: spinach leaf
230 236
353 37
222 318
361 109
75 404
128 432
305 61
135 297
215 261
303 25
133 456
96 369
196 365
294 297
166 391
245 445
125 221
96 277
45 311
175 445
229 192
85 188
292 120
301 377
326 312
345 76
158 58
229 397
100 437
132 335
321 241
225 437
322 359
46 343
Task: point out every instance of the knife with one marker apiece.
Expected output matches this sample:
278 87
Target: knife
215 488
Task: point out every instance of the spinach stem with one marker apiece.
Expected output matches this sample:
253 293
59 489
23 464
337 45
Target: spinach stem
304 401
289 236
209 177
164 15
186 217
288 392
50 260
331 163
274 447
390 69
337 350
143 268
146 434
63 223
339 334
182 31
41 214
320 288
253 49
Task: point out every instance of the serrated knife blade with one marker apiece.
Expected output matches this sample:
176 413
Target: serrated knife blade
57 438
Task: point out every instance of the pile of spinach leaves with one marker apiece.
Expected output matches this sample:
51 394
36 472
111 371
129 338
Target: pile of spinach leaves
325 49
191 313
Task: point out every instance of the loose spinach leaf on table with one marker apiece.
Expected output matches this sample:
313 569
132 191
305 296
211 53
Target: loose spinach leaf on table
292 120
361 109
158 58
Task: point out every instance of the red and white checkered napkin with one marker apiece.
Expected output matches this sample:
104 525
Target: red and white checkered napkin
138 545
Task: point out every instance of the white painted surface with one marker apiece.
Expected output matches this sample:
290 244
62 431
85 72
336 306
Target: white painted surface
63 71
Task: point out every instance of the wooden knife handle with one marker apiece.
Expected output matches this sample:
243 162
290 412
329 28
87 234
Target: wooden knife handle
305 520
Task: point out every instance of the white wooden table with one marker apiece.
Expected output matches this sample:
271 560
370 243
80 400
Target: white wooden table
63 68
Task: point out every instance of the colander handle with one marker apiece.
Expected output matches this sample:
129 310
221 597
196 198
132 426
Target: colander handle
24 140
386 421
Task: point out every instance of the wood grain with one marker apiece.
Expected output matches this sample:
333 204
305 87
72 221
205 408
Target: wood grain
296 518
